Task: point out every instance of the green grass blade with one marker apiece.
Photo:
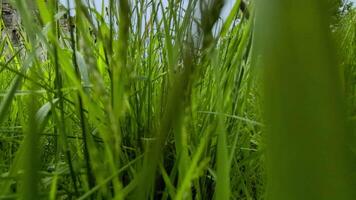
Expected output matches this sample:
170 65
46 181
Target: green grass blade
307 155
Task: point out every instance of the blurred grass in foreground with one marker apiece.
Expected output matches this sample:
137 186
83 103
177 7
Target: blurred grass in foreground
308 140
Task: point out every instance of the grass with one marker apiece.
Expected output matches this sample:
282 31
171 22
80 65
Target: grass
304 104
165 100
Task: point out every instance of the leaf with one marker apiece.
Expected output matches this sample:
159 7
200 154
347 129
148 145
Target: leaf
43 112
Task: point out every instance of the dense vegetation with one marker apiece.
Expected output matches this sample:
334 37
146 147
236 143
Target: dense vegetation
163 99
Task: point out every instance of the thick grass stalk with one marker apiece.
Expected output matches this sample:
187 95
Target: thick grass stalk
307 155
83 120
31 156
120 71
53 8
210 14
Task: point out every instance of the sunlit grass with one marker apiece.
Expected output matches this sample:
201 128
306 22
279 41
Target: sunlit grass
164 100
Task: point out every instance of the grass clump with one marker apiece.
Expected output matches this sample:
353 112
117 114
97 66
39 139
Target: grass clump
162 100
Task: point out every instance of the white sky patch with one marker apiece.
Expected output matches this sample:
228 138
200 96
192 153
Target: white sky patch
99 3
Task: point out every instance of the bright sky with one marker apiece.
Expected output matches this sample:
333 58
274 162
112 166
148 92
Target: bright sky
228 5
98 4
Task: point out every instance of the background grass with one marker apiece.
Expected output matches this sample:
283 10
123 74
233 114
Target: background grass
162 100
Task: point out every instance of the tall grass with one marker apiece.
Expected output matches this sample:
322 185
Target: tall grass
142 100
308 155
164 100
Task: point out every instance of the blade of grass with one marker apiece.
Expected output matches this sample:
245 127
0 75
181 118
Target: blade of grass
307 155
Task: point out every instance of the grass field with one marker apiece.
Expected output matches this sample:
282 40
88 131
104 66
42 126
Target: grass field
164 99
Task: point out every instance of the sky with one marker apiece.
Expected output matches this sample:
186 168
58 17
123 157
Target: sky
98 4
228 5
